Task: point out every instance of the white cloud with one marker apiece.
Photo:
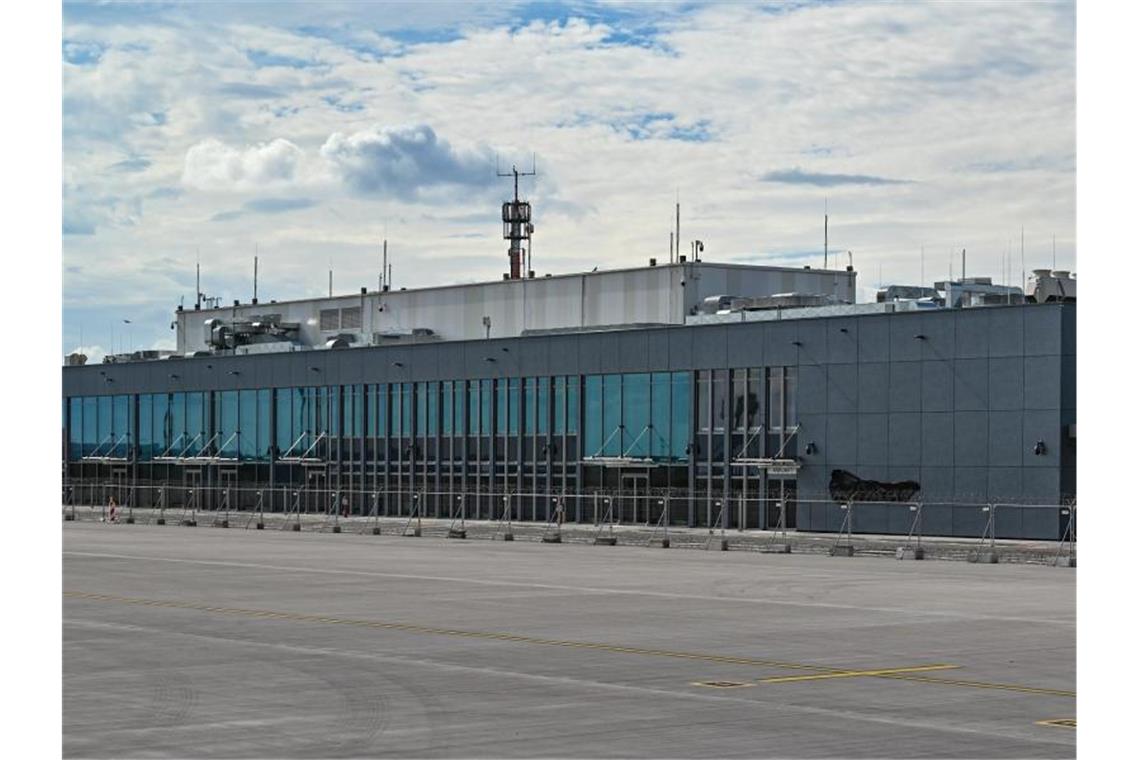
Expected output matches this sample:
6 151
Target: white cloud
400 161
213 165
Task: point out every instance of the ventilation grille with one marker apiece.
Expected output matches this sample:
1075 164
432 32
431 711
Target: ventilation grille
330 319
350 318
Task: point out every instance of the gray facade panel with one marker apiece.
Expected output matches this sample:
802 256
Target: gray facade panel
971 334
710 347
812 336
1007 332
874 339
843 341
906 387
937 439
1043 332
1043 382
1041 427
905 343
872 443
938 341
971 385
971 484
1005 433
971 439
842 440
905 440
874 386
1007 383
937 386
813 391
842 388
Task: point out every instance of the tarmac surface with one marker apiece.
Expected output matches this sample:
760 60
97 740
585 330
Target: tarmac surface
203 642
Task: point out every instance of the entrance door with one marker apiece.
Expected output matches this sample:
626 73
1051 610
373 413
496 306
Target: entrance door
314 498
191 489
632 499
777 490
119 488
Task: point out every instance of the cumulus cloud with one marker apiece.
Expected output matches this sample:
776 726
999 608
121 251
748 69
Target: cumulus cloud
213 165
401 161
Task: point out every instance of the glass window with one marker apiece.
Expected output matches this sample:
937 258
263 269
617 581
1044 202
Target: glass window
513 406
448 406
460 407
720 399
178 423
738 417
473 407
421 408
542 405
432 408
611 415
593 433
406 413
572 404
775 399
486 389
682 413
755 397
226 421
559 405
196 419
264 419
635 415
247 424
75 427
90 424
284 431
659 416
104 422
703 390
382 407
146 426
529 409
501 408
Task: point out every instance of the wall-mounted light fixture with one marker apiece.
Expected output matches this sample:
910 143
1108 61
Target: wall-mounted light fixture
797 343
843 330
1039 448
314 369
810 448
489 359
234 372
920 336
397 364
173 376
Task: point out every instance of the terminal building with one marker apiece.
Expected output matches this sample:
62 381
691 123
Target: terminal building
698 393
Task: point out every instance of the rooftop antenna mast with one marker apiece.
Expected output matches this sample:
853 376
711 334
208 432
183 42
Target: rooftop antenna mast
255 272
198 278
678 236
517 226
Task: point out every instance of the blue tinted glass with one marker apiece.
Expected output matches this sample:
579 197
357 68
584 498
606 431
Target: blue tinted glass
659 416
163 423
178 422
486 396
247 424
448 401
513 406
75 427
460 407
406 413
501 408
611 415
432 408
382 409
542 405
284 433
572 404
227 440
90 424
593 432
635 415
559 405
264 420
473 407
146 426
682 413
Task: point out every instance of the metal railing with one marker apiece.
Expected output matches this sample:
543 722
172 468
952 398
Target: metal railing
656 510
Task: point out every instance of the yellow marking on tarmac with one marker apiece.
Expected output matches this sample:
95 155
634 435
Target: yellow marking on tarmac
518 638
1062 722
858 673
983 685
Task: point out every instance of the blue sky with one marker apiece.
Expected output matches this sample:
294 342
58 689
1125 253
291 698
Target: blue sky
310 132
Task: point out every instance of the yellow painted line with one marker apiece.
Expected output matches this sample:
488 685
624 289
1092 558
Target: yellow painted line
489 635
1062 722
983 685
858 673
517 638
